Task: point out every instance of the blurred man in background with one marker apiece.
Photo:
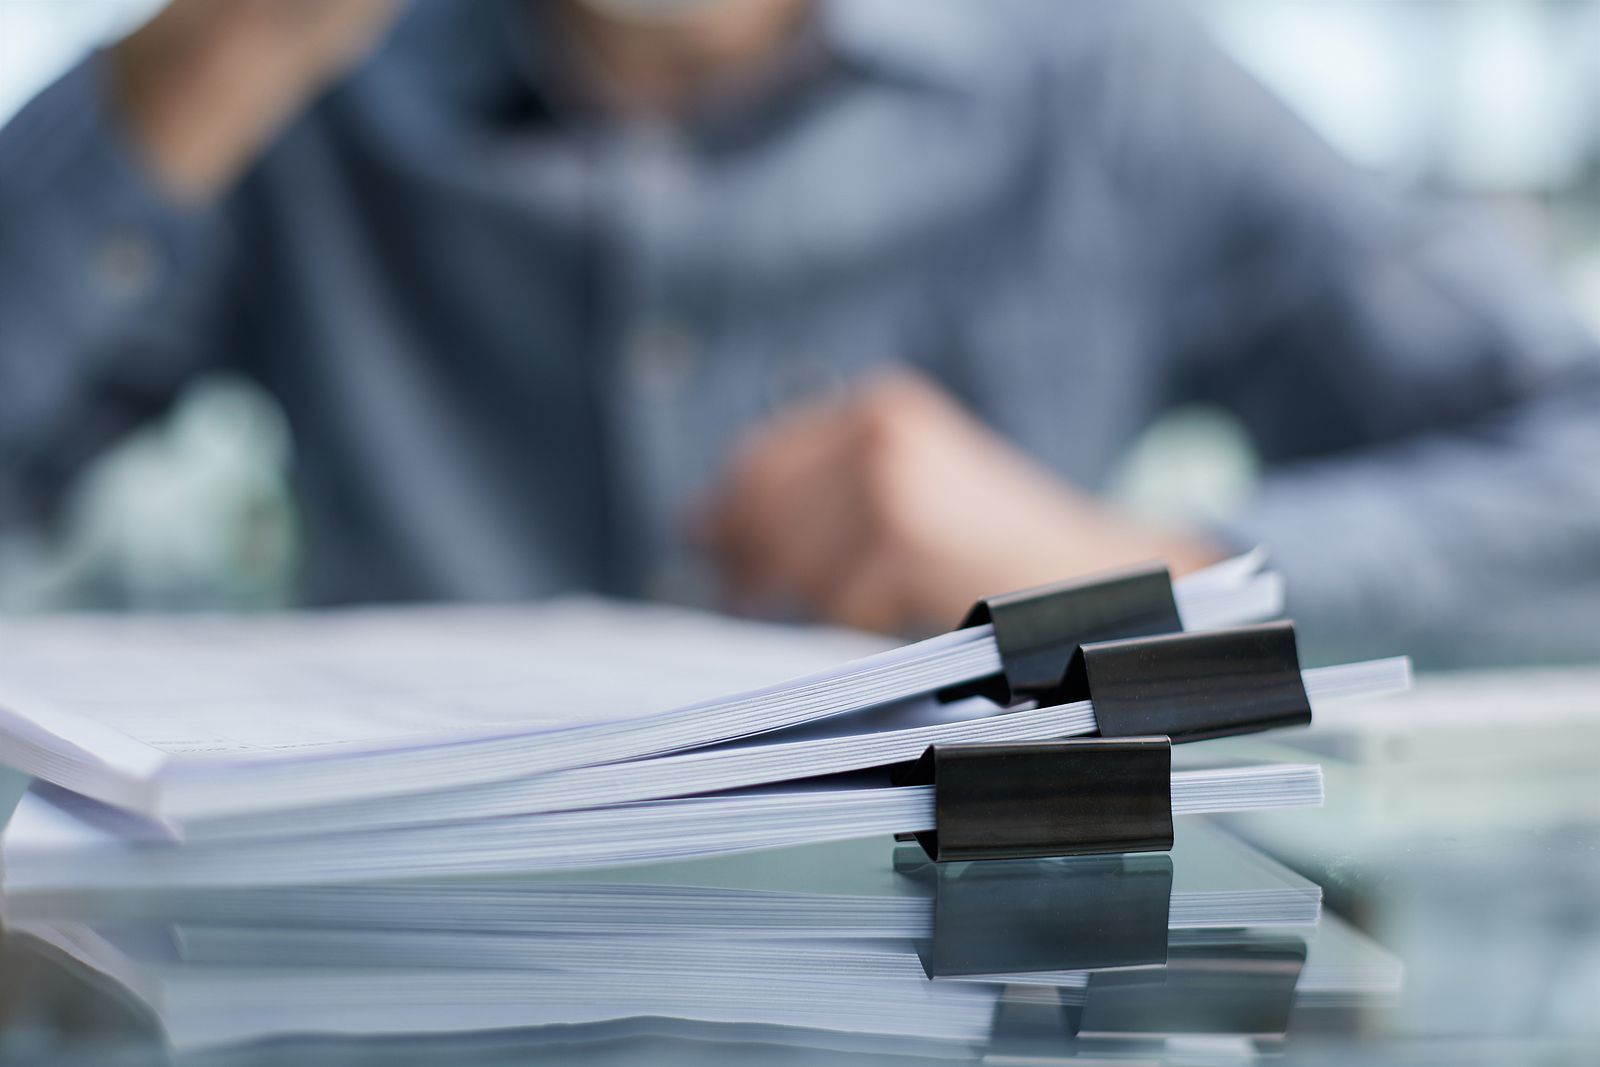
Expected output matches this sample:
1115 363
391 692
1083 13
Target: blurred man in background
843 307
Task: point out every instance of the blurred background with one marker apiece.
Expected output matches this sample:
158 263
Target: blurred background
1491 102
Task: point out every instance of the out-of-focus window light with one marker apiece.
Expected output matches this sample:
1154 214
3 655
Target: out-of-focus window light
1488 96
1344 66
40 38
1527 91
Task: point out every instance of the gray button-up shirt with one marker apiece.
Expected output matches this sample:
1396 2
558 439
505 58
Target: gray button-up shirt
514 340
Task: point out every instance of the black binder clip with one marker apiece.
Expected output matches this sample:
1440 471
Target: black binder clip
1015 800
1190 686
1083 797
1037 630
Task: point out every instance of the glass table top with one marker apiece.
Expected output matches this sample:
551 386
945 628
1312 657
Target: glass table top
1443 906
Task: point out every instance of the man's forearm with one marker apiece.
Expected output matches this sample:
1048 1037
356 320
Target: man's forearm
205 85
1461 548
106 179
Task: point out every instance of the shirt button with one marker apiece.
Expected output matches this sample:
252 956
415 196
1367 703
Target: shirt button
662 356
125 266
659 166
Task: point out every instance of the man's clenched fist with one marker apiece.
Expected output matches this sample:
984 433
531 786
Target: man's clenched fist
894 509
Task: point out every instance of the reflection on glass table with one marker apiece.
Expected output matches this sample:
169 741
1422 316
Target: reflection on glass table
853 947
1443 907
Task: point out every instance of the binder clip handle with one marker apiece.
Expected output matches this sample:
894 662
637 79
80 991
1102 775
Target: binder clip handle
1038 630
1191 686
1088 796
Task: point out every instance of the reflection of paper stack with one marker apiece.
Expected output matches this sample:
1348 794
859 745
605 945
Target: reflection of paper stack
1335 964
842 947
1241 987
202 1005
841 890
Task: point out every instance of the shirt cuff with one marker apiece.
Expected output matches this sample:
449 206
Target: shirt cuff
1360 579
122 236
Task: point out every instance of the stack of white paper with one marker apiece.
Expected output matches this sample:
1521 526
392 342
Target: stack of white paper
374 745
872 738
49 845
182 720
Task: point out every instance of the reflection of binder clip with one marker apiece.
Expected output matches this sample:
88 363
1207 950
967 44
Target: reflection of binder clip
1048 798
1243 987
1038 630
1030 916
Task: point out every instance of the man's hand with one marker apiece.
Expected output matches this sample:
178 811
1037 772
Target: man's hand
206 83
893 509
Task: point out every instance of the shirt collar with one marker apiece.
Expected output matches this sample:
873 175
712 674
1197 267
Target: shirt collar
503 45
940 45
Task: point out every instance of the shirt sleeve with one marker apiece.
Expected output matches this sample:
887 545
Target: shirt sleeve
1427 410
103 286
